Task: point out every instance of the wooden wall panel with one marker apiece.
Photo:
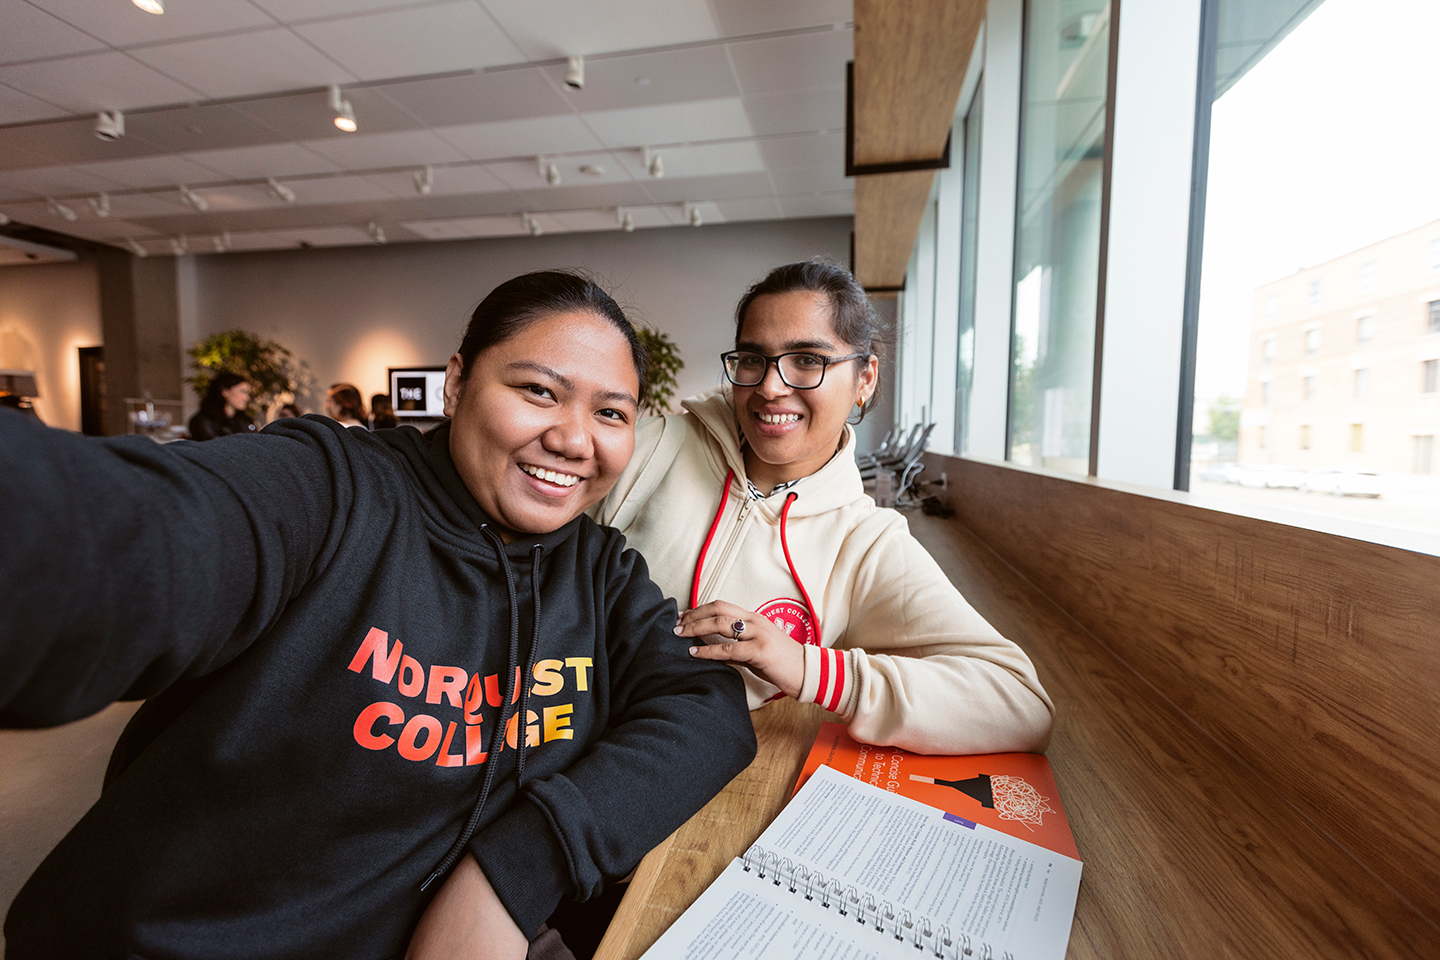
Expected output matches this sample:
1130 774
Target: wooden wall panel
1316 659
888 211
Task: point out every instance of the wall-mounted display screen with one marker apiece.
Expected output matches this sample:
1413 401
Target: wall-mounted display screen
418 392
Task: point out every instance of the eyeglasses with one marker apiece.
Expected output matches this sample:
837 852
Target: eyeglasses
799 371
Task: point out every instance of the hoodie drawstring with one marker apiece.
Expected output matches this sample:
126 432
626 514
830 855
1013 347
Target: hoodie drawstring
497 737
784 545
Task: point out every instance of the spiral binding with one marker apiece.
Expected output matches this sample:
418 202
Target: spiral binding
865 910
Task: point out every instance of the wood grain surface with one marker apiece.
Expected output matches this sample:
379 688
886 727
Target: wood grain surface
888 211
1311 658
672 875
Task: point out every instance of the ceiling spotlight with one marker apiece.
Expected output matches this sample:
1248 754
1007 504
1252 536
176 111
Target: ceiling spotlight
693 215
552 174
377 232
592 170
178 245
58 209
221 242
136 248
110 124
101 205
344 113
654 164
150 6
279 191
194 199
575 71
628 223
531 224
4 220
424 180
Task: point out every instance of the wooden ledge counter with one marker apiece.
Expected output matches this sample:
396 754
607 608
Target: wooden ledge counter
1189 852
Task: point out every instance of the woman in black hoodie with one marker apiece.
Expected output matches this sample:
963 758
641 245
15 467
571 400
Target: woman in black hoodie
222 412
379 665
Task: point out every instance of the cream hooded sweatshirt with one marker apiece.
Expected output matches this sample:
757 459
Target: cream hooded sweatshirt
900 654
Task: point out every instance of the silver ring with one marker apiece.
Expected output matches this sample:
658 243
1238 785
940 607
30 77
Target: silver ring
737 628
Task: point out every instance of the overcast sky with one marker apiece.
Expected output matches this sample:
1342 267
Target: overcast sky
1331 143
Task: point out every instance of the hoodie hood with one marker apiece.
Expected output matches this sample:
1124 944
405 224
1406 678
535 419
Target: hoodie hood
834 485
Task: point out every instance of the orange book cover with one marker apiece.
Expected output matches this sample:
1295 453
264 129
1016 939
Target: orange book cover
1014 793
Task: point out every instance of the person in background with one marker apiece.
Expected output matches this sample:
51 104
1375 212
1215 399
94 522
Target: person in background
378 665
222 412
343 403
799 578
288 412
382 415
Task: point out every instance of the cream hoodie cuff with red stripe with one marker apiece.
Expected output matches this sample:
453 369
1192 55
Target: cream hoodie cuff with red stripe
830 680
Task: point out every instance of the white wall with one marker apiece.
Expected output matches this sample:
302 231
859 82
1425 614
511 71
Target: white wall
47 312
352 312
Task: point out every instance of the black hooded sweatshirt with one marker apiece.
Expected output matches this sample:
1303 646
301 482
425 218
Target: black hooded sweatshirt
331 633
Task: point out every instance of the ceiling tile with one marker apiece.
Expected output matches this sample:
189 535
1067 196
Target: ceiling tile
289 11
778 64
106 229
738 17
399 149
558 28
800 111
766 208
68 141
32 34
645 79
671 123
151 171
552 199
57 181
490 226
478 97
699 189
17 107
448 181
820 205
435 229
271 160
95 81
414 41
338 190
525 174
588 220
244 64
141 206
510 138
741 156
811 180
339 236
123 24
811 150
239 197
195 128
307 116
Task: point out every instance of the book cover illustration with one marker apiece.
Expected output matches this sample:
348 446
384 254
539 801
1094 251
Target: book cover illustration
1014 793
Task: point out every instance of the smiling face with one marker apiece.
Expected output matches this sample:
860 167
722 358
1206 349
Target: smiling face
544 422
792 433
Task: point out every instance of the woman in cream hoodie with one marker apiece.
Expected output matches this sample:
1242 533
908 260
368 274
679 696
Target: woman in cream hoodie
749 509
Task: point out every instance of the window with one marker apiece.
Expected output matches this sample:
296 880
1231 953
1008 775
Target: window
1428 375
1272 306
1312 341
1357 437
1265 394
1369 271
1433 326
1305 436
1268 349
1307 388
969 252
1312 299
1364 331
1062 137
1362 384
1424 454
1264 439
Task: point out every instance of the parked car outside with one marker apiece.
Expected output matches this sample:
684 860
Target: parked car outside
1343 482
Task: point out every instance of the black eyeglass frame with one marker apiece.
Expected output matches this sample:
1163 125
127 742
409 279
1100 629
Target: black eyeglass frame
827 361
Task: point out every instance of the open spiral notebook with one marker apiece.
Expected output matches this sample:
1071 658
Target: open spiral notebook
852 872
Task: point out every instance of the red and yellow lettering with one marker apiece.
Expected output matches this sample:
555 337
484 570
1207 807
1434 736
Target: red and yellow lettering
580 665
557 722
446 682
492 689
385 661
548 677
473 695
532 729
411 747
474 746
365 724
445 758
412 676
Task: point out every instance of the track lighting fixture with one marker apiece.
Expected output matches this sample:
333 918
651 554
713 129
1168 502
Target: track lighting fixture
531 224
110 124
575 71
279 191
194 199
221 242
101 205
592 170
654 164
344 113
179 245
136 248
626 221
692 213
156 7
552 174
424 180
377 232
58 209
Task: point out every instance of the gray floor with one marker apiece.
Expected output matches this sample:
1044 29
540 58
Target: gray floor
48 779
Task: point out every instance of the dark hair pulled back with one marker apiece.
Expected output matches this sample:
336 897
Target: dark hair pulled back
517 303
348 401
214 403
852 317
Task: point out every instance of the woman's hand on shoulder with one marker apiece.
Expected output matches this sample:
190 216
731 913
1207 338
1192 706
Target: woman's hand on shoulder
767 650
466 921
